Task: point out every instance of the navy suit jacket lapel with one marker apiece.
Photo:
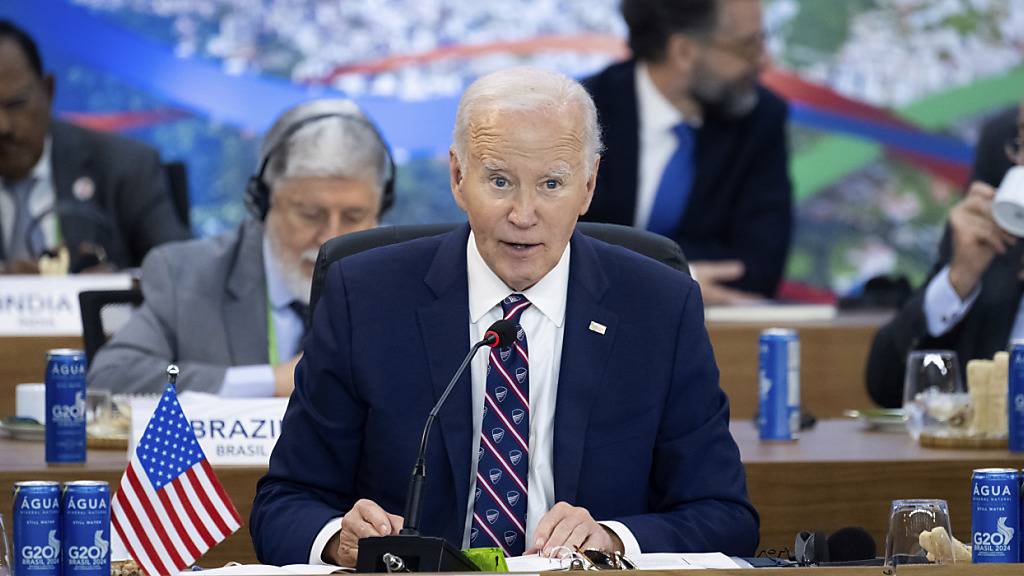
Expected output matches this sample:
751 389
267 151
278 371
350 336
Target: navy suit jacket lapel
444 325
585 354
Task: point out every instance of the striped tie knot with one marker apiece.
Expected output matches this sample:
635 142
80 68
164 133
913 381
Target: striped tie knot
512 309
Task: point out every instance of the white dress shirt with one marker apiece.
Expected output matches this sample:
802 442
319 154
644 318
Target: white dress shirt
543 323
42 197
943 308
657 117
257 380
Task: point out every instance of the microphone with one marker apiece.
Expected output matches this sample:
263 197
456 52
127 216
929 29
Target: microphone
501 332
91 252
851 544
423 553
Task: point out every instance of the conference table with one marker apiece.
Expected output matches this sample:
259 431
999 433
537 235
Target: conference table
833 355
835 475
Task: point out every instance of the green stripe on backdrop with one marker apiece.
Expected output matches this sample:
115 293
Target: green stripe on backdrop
835 157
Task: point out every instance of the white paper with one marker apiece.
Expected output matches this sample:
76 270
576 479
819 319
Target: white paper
534 563
266 570
670 561
687 561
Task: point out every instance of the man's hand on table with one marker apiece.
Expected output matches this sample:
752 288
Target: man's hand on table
365 519
571 526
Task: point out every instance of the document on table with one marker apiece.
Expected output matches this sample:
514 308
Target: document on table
664 561
265 570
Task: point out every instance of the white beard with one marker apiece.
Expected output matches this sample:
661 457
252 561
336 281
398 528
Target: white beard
295 279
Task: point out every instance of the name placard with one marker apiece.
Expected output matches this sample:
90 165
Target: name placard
239 431
48 305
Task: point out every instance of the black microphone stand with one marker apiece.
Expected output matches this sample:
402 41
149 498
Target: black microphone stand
419 470
408 549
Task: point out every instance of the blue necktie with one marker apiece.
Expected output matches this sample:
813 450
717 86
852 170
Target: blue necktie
503 463
676 183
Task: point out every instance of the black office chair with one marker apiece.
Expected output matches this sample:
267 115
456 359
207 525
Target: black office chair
642 242
177 183
103 313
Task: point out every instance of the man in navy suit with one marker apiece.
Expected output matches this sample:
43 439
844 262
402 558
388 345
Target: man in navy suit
696 147
603 426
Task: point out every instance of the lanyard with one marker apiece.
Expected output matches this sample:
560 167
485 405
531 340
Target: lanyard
272 354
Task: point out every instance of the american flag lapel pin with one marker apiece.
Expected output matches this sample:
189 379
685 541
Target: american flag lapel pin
598 327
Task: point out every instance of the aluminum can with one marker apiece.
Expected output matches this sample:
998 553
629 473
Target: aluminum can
1015 400
65 406
36 528
995 515
85 516
779 384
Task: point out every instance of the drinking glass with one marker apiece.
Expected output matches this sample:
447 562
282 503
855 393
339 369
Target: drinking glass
934 398
907 520
97 406
5 555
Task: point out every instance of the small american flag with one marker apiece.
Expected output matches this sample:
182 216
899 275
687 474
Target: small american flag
170 507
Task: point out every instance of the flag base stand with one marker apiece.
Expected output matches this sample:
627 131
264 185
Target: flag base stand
416 553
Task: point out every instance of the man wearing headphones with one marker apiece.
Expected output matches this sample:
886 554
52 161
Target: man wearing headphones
231 311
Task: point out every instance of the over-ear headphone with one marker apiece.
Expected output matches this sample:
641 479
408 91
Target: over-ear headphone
257 191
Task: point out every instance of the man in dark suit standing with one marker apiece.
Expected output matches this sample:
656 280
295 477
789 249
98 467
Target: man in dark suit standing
603 426
696 147
103 197
972 300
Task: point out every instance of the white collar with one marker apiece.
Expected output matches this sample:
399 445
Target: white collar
486 290
655 112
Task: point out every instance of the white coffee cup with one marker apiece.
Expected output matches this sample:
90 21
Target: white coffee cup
1008 206
30 401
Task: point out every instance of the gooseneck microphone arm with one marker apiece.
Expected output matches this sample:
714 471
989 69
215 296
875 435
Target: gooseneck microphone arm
501 332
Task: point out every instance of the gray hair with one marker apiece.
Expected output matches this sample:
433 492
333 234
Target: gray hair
524 88
339 143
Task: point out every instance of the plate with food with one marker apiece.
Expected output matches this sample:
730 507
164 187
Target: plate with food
22 428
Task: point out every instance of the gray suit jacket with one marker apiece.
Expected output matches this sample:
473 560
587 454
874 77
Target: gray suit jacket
128 209
205 309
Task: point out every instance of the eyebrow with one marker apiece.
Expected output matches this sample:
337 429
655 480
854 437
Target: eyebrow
494 165
560 171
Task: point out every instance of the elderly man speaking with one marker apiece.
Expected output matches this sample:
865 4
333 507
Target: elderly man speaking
603 426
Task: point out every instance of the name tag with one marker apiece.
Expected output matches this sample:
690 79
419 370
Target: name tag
47 305
241 431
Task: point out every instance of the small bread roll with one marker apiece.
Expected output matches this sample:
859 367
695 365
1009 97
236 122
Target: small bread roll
979 374
999 381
